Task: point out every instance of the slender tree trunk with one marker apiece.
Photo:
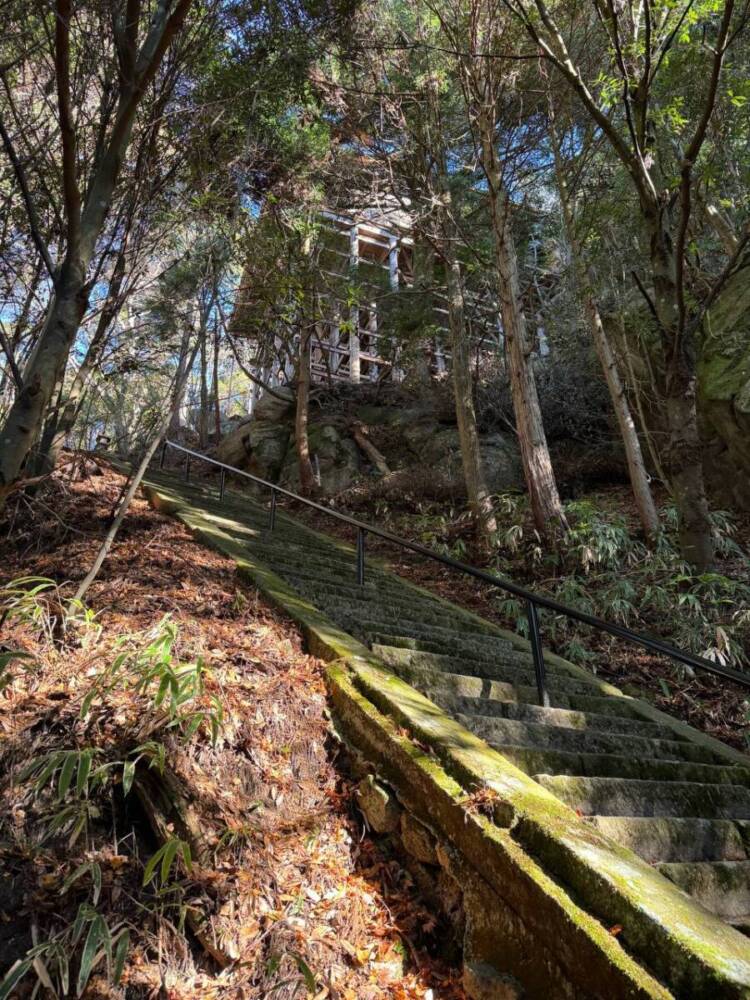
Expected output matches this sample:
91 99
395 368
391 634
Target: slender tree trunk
301 437
184 366
24 421
639 479
63 417
216 388
537 464
477 493
203 412
480 500
176 397
684 451
634 456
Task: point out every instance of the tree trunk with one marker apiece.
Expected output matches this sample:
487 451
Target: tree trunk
540 478
302 441
47 362
203 410
684 452
639 479
634 456
216 399
178 388
480 501
45 366
477 494
359 433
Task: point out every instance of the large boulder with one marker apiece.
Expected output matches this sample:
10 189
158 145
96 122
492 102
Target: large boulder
258 446
438 447
276 405
500 459
334 455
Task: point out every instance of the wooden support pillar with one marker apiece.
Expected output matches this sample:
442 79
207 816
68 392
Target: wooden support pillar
393 261
439 357
372 346
354 363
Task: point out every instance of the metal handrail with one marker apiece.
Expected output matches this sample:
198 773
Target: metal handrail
533 601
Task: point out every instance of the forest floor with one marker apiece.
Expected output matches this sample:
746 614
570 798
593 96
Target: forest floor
303 900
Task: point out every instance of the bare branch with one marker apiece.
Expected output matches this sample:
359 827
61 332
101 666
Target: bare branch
31 212
8 350
71 193
690 156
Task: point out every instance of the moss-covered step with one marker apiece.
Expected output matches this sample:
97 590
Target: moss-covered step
488 684
622 797
566 718
662 838
723 887
541 733
606 765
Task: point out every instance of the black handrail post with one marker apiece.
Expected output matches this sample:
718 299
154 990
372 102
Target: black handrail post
163 455
187 469
222 484
272 512
538 653
361 556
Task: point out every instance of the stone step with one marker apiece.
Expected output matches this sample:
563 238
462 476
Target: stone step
721 886
342 580
590 764
456 664
305 562
475 685
541 737
670 839
446 634
623 797
591 723
525 694
401 655
413 607
473 648
337 602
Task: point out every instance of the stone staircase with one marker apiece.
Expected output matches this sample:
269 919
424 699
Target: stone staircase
676 798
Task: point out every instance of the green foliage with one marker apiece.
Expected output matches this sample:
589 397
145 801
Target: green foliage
88 940
21 603
307 975
147 665
160 865
601 569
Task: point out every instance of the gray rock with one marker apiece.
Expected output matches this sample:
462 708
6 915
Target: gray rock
258 446
417 840
276 406
381 809
439 447
482 981
334 455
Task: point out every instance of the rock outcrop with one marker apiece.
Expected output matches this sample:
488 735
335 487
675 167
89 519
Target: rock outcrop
417 441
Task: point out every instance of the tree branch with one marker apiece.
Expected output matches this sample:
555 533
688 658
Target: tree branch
689 158
14 369
71 193
28 201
